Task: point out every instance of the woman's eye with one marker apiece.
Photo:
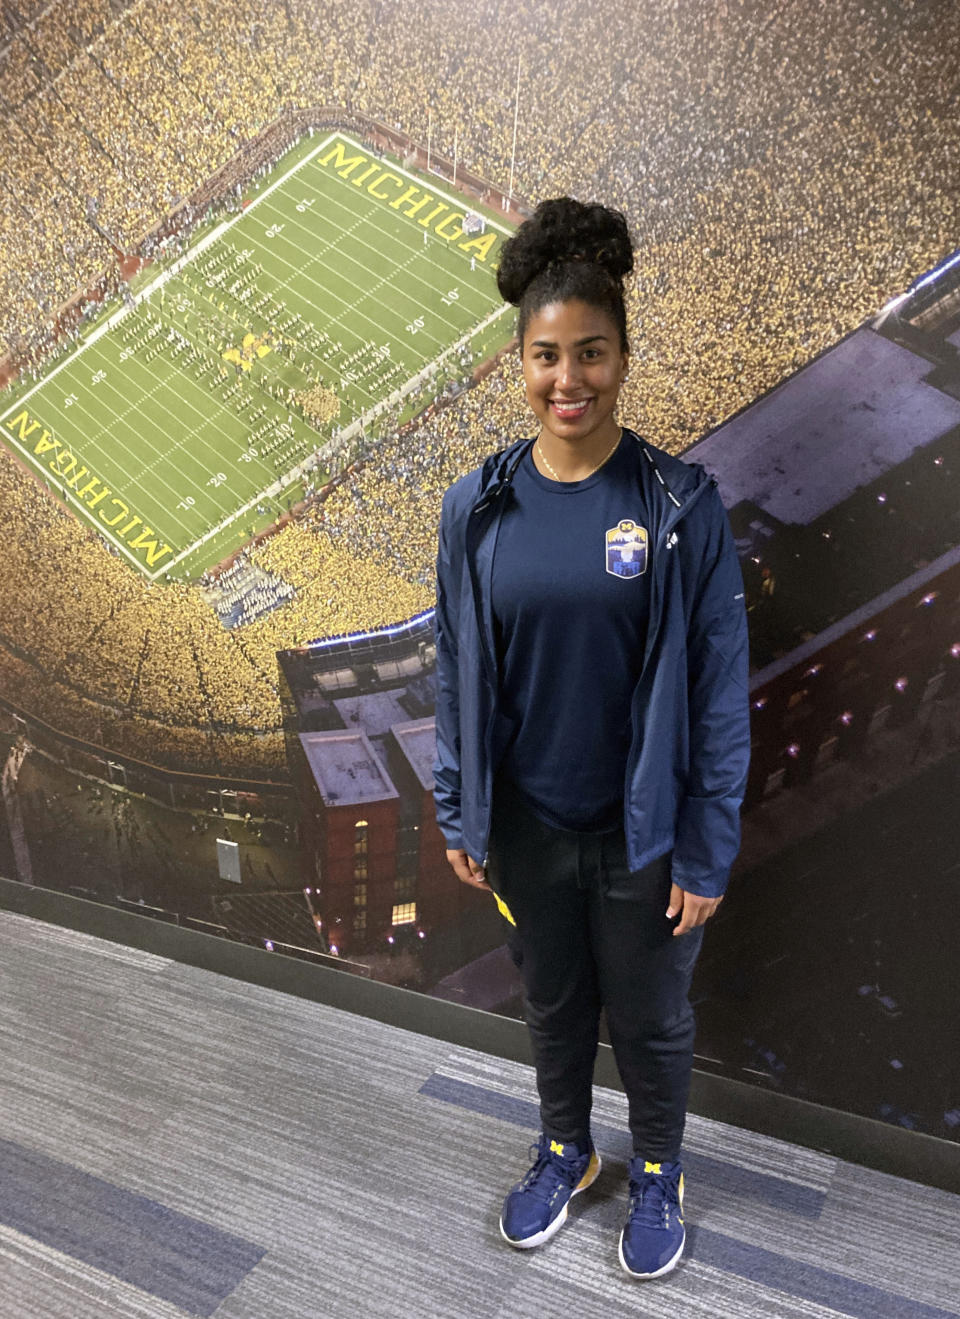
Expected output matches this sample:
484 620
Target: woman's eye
547 356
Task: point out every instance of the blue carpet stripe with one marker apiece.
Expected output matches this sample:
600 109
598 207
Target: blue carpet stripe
176 1258
779 1193
804 1281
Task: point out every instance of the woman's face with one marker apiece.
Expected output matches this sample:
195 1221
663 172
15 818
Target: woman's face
571 353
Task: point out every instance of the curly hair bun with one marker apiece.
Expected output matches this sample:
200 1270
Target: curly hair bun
563 229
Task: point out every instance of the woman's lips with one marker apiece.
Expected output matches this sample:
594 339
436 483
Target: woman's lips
569 412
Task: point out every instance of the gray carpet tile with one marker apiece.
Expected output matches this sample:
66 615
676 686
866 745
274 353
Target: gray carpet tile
174 1142
136 1239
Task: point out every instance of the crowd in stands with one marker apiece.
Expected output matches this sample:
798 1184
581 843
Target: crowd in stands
784 171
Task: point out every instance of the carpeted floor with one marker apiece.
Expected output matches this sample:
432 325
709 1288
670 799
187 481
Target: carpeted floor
174 1142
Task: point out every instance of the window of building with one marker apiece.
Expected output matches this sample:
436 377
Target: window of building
404 888
359 851
404 913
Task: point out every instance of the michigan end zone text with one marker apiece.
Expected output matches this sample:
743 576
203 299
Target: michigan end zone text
95 497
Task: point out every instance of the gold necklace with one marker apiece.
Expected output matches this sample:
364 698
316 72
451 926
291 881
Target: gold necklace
592 470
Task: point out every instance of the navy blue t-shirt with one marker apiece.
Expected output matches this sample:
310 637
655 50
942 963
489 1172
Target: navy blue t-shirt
571 594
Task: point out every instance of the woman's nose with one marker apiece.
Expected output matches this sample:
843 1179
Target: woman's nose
568 373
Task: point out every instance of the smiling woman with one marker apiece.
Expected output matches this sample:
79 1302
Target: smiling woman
590 770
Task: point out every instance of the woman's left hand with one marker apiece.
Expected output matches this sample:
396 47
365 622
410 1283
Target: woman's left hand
693 910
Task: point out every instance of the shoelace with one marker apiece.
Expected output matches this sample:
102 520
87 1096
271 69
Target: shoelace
652 1195
549 1172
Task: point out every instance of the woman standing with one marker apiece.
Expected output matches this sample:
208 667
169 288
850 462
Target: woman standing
592 726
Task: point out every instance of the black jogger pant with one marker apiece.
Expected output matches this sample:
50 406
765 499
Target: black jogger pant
591 933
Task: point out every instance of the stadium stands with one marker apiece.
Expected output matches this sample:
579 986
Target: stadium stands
779 195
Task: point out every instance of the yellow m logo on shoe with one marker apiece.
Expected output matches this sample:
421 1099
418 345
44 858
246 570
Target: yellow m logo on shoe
556 1147
651 1167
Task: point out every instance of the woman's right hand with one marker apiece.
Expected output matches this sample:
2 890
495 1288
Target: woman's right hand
466 869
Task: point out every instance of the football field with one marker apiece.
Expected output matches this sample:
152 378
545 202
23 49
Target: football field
341 299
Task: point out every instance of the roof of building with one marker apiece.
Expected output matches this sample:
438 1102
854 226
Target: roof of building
346 767
851 415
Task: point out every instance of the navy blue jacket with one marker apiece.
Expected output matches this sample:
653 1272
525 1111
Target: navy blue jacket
687 768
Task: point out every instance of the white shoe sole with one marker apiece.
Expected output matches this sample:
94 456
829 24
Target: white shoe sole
588 1178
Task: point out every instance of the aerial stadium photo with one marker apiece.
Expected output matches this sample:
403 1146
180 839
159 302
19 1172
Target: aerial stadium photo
212 319
251 333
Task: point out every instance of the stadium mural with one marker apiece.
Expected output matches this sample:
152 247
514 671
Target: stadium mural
249 334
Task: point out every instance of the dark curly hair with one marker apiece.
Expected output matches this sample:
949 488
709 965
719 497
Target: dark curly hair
568 249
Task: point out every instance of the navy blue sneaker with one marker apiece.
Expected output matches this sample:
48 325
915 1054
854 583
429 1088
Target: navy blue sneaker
537 1205
653 1235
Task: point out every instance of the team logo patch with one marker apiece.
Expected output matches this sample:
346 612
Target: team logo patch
626 549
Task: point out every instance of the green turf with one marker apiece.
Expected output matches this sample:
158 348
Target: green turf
159 457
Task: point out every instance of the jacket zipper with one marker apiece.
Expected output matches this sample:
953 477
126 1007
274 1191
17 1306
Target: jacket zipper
489 662
673 517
